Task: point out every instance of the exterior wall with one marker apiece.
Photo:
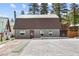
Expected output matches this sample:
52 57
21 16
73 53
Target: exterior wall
26 35
55 33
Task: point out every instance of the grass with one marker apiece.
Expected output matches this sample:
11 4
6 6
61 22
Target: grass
3 40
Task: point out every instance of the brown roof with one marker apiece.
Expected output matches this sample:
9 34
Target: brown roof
37 23
73 27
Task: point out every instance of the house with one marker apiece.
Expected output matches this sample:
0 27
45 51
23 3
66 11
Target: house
5 29
36 26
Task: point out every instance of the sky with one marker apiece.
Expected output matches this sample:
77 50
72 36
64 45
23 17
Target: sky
6 9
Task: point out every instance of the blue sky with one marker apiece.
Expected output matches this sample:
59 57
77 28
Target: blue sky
6 9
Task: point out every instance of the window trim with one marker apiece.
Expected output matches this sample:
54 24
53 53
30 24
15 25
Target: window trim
50 33
41 33
22 32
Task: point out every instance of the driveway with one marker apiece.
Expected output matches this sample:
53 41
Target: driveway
41 47
7 48
66 47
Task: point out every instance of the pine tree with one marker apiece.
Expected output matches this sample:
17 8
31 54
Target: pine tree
64 12
74 12
58 8
44 8
34 8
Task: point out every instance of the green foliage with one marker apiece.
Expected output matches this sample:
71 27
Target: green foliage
44 8
74 13
34 8
76 21
58 8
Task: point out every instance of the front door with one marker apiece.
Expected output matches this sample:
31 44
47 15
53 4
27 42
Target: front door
31 34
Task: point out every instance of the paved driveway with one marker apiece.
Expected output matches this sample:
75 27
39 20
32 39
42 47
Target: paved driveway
7 48
66 47
39 47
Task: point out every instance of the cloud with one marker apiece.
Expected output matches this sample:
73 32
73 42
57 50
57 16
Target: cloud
13 5
24 6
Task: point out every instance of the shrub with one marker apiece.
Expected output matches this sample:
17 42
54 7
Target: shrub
12 36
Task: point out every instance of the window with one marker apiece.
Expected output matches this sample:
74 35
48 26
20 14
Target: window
50 33
22 32
41 33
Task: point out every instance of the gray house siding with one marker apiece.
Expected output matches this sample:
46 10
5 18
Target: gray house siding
18 34
26 35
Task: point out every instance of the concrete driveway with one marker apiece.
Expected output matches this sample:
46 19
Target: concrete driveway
39 47
7 48
62 47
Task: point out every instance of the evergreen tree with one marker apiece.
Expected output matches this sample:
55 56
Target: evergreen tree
44 8
74 12
64 12
34 8
58 8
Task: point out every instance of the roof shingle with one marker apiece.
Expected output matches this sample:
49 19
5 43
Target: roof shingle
37 23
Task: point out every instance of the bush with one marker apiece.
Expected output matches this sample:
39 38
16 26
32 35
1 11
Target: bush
12 36
7 38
